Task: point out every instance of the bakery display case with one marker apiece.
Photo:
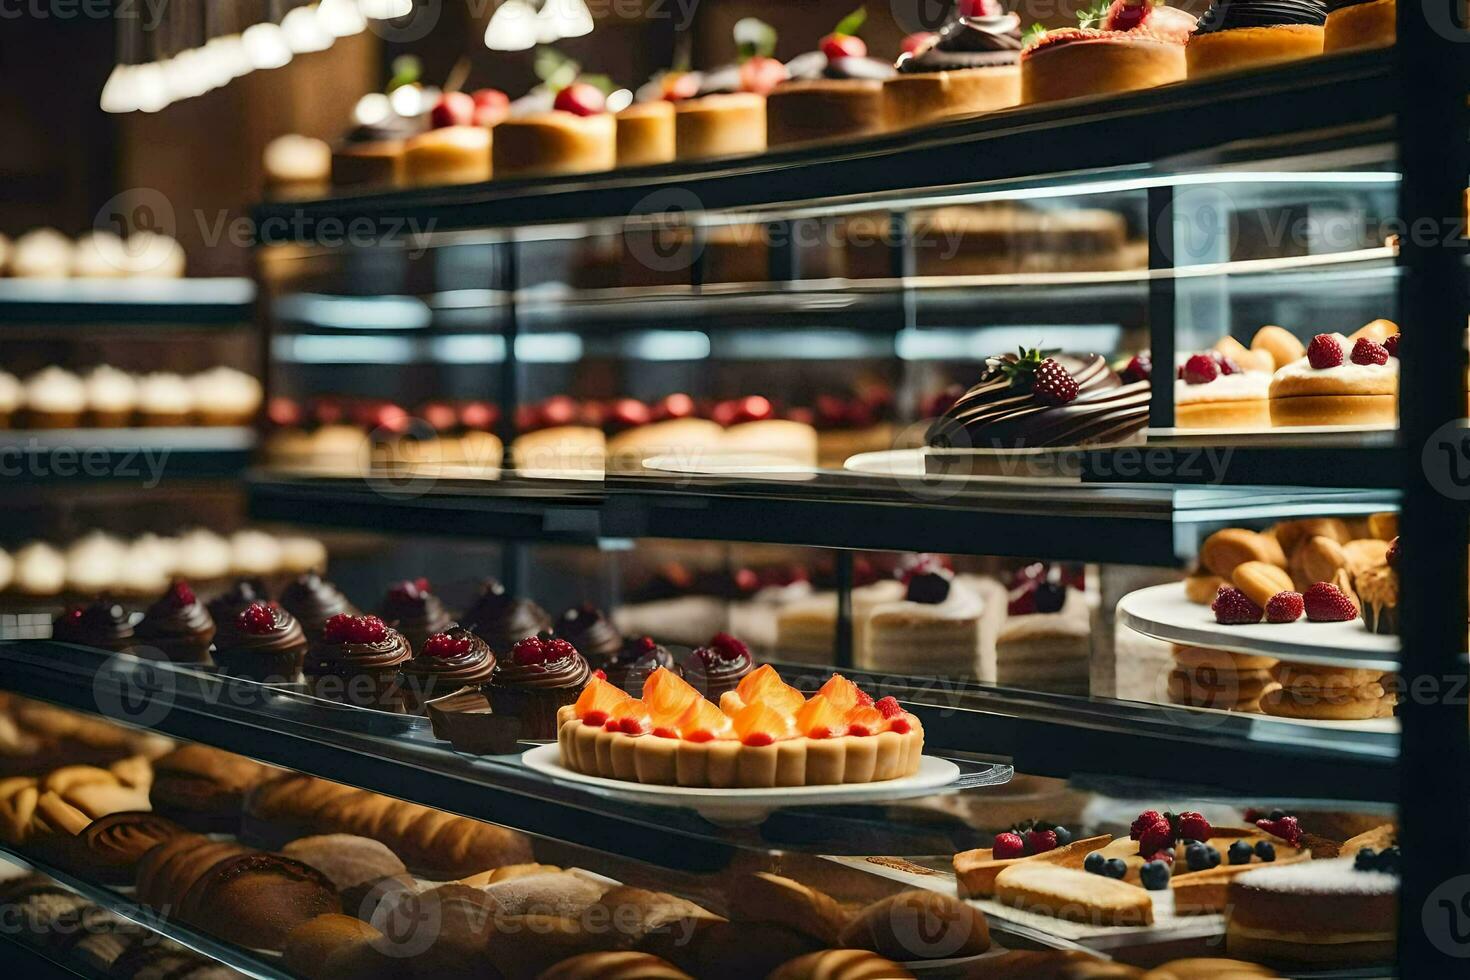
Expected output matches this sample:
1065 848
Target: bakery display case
808 516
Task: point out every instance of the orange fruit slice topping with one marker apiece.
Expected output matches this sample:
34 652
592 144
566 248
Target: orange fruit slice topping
597 699
863 720
629 717
821 718
667 696
702 722
764 686
758 724
843 693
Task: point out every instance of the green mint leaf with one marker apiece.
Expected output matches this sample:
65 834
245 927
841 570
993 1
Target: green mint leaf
852 23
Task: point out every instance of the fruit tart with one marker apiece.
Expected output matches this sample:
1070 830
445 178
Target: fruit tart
971 65
1340 381
1117 47
1235 34
764 733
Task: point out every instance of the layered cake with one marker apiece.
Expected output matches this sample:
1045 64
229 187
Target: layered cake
578 135
1354 24
1319 915
764 733
1119 47
833 92
1339 382
1235 34
806 629
971 65
1213 391
1045 643
934 630
1026 400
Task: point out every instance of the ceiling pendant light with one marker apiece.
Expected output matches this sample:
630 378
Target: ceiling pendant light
265 46
385 9
341 18
512 27
304 31
561 19
120 94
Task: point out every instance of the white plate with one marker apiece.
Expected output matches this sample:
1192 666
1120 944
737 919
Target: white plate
743 806
1163 612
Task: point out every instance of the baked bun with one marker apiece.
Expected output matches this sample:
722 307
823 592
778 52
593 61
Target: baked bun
345 859
1056 964
167 872
554 893
919 925
614 966
1225 550
738 950
1209 968
527 945
765 897
311 945
255 900
840 964
655 922
445 929
203 788
110 847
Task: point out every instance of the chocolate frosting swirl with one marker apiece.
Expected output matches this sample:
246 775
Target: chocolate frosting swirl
638 658
169 623
1225 15
718 667
348 658
969 42
229 604
285 634
313 600
415 612
474 666
571 671
103 624
589 630
994 414
500 620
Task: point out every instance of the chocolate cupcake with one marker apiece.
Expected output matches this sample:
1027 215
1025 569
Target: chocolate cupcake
639 657
500 620
103 624
224 607
356 662
537 679
445 663
262 643
411 609
178 626
717 667
591 632
313 600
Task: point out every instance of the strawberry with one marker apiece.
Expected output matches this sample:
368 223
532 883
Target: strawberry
1326 603
257 618
836 46
343 628
1225 364
1040 841
1125 15
1233 607
981 8
600 674
1052 385
889 707
1366 351
1142 822
1152 831
1140 368
1393 546
581 99
1286 828
1200 369
761 75
1391 345
180 595
559 649
1284 607
444 646
917 42
1324 352
1008 846
1193 826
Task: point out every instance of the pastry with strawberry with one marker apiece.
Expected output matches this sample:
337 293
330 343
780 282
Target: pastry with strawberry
726 113
577 135
1215 391
1118 46
1236 34
558 439
1032 399
832 92
754 429
455 149
1356 24
1340 381
971 65
763 733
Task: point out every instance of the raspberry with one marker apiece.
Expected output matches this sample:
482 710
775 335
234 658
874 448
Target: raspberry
1326 603
731 647
1286 828
1366 351
1233 607
1200 369
559 649
1193 826
600 674
1324 352
1391 345
1393 546
443 645
1008 846
643 645
889 707
528 651
180 595
343 628
1040 841
1225 364
1140 368
1052 385
257 618
1152 831
1284 607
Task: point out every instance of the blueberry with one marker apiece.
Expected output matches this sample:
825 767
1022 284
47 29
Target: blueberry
1154 875
1240 852
1276 815
1389 860
1197 856
1095 863
1116 868
1214 856
1265 850
1367 860
1064 836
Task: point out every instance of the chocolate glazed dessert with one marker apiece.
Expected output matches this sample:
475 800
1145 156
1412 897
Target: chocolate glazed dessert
1029 401
588 629
718 666
1235 34
639 657
313 600
177 626
500 620
224 607
537 679
103 624
413 610
263 643
972 65
445 663
356 662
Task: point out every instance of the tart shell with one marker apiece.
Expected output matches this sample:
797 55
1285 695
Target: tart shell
1246 47
1098 67
925 97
